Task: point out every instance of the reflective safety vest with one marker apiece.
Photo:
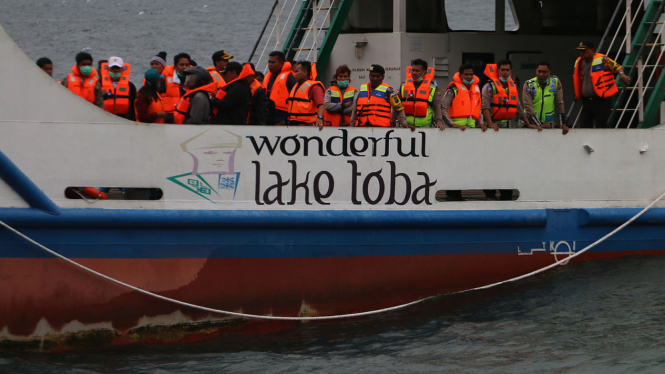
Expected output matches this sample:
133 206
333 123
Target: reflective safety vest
216 77
603 80
339 97
83 86
465 108
171 97
504 101
374 109
116 99
182 109
301 108
418 105
279 92
543 98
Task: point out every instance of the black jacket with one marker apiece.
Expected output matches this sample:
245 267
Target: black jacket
234 108
258 114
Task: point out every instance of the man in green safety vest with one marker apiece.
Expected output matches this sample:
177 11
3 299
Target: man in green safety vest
543 99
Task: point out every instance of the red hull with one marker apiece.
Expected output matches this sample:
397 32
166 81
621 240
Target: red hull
58 294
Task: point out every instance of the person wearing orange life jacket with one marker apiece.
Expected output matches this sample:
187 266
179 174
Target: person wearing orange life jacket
219 61
258 110
119 93
231 103
461 103
148 105
83 80
174 79
194 107
421 96
158 62
376 104
339 99
594 81
278 84
306 105
500 98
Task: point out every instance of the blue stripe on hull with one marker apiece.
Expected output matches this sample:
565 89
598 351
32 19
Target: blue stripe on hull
264 238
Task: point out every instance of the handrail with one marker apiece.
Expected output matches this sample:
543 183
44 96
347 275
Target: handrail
256 45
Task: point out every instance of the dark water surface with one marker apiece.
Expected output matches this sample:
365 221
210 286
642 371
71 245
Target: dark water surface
602 317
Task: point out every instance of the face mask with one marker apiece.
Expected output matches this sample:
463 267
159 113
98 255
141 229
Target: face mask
504 80
115 75
419 79
468 83
343 84
181 75
545 81
85 70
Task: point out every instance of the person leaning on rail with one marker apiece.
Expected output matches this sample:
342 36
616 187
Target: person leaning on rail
306 105
84 81
460 106
500 98
594 79
339 99
543 99
376 103
421 96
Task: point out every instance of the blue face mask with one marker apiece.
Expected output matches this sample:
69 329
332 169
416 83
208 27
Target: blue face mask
343 84
115 75
419 79
85 70
504 80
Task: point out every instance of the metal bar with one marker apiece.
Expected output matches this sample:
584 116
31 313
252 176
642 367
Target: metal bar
330 39
256 45
628 27
609 25
295 37
25 187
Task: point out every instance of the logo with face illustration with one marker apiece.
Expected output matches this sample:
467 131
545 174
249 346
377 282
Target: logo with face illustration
213 174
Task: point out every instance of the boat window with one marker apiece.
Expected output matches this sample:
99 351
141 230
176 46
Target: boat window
113 193
368 16
476 195
427 16
574 17
477 15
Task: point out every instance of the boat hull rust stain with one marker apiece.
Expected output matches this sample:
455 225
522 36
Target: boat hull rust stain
56 317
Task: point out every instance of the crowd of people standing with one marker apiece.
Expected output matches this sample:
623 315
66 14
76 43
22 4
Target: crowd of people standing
289 94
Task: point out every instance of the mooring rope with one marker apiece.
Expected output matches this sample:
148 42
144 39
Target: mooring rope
340 316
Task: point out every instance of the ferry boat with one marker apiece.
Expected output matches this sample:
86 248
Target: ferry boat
297 222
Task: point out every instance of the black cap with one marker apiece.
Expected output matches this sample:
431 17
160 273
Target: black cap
586 44
377 69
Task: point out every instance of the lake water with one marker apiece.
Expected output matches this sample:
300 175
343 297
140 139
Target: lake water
604 317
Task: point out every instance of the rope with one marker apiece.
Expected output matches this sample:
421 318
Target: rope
351 315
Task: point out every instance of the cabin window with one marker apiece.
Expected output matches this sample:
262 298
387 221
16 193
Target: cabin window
476 195
575 17
113 193
478 15
426 16
368 16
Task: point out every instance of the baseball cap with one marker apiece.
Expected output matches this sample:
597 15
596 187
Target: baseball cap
586 44
221 55
115 61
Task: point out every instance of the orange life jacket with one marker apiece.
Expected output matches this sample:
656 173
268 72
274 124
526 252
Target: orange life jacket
604 84
83 86
279 93
182 109
171 97
155 107
337 96
216 77
467 100
254 86
118 101
417 103
301 108
504 105
374 109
